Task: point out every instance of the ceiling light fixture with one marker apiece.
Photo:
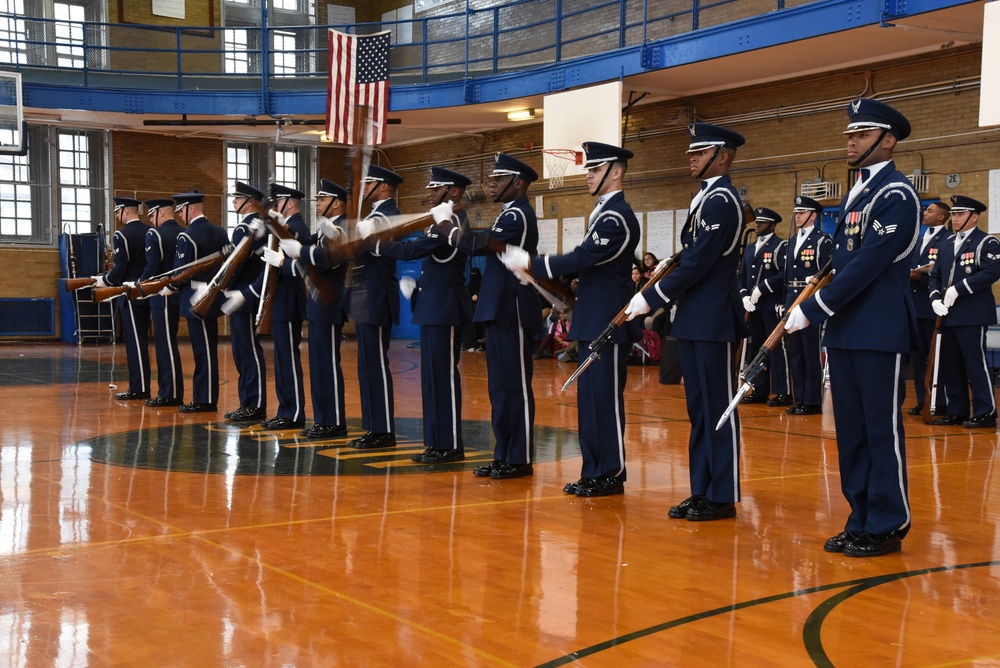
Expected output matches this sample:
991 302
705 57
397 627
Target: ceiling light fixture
521 115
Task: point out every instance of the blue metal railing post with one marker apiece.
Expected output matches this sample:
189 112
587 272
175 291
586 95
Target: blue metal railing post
558 31
265 60
180 64
694 14
645 19
496 38
86 67
468 38
622 17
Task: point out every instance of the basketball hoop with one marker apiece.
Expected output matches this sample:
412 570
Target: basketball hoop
557 161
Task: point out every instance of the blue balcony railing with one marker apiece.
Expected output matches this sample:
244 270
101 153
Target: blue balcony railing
476 42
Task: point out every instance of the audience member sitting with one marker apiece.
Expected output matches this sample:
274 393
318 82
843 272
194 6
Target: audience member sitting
638 282
556 340
649 262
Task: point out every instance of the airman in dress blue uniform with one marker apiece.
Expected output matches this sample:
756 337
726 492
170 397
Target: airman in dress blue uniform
806 253
925 256
441 306
288 310
130 260
242 298
869 328
512 314
373 299
603 264
200 239
708 323
961 293
161 249
763 304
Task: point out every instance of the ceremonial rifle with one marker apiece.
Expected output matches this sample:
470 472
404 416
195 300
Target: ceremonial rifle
79 283
314 283
598 344
222 279
154 284
263 320
750 376
931 375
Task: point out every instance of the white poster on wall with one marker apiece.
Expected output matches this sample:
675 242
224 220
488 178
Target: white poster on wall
640 216
993 213
660 233
680 217
548 236
171 8
573 230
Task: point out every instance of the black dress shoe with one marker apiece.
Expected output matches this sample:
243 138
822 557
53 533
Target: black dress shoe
325 431
706 511
574 487
680 511
131 395
916 410
874 545
159 402
791 409
435 456
371 441
193 407
503 471
606 485
838 542
229 414
981 422
485 470
755 398
808 409
246 414
278 422
780 400
948 420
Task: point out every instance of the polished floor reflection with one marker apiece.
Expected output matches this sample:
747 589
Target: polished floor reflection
132 536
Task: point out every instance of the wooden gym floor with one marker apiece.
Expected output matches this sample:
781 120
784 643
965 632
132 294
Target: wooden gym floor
132 536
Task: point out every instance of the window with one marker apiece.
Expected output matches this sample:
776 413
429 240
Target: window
286 167
237 169
69 34
80 167
263 164
15 197
292 40
284 53
13 32
236 56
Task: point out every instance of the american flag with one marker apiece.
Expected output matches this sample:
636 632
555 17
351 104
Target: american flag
359 76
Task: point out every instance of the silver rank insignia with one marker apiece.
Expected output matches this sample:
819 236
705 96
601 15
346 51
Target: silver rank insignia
850 245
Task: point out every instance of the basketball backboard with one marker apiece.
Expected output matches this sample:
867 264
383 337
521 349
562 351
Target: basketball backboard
576 116
989 87
12 139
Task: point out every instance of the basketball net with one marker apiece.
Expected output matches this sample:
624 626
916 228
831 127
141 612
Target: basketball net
557 161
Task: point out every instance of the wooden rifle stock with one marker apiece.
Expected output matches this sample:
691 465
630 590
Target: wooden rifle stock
930 376
79 283
263 320
152 286
315 278
227 272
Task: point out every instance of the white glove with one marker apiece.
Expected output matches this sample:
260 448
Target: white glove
200 290
748 305
290 247
796 320
755 296
939 307
129 284
637 306
366 228
166 292
275 258
515 258
99 282
276 215
662 263
442 212
257 228
950 295
327 228
234 300
407 285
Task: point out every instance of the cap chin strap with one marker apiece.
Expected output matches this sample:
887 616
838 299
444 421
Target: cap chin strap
284 203
239 209
371 192
326 209
499 198
709 163
603 179
871 148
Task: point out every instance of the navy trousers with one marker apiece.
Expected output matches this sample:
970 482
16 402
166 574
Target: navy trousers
135 332
248 355
375 379
868 389
169 374
441 384
805 365
205 348
964 369
600 401
509 370
326 377
288 383
709 385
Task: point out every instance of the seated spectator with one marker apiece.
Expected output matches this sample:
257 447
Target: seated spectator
638 281
649 262
556 340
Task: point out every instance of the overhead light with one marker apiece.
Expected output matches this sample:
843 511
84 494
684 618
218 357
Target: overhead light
521 115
